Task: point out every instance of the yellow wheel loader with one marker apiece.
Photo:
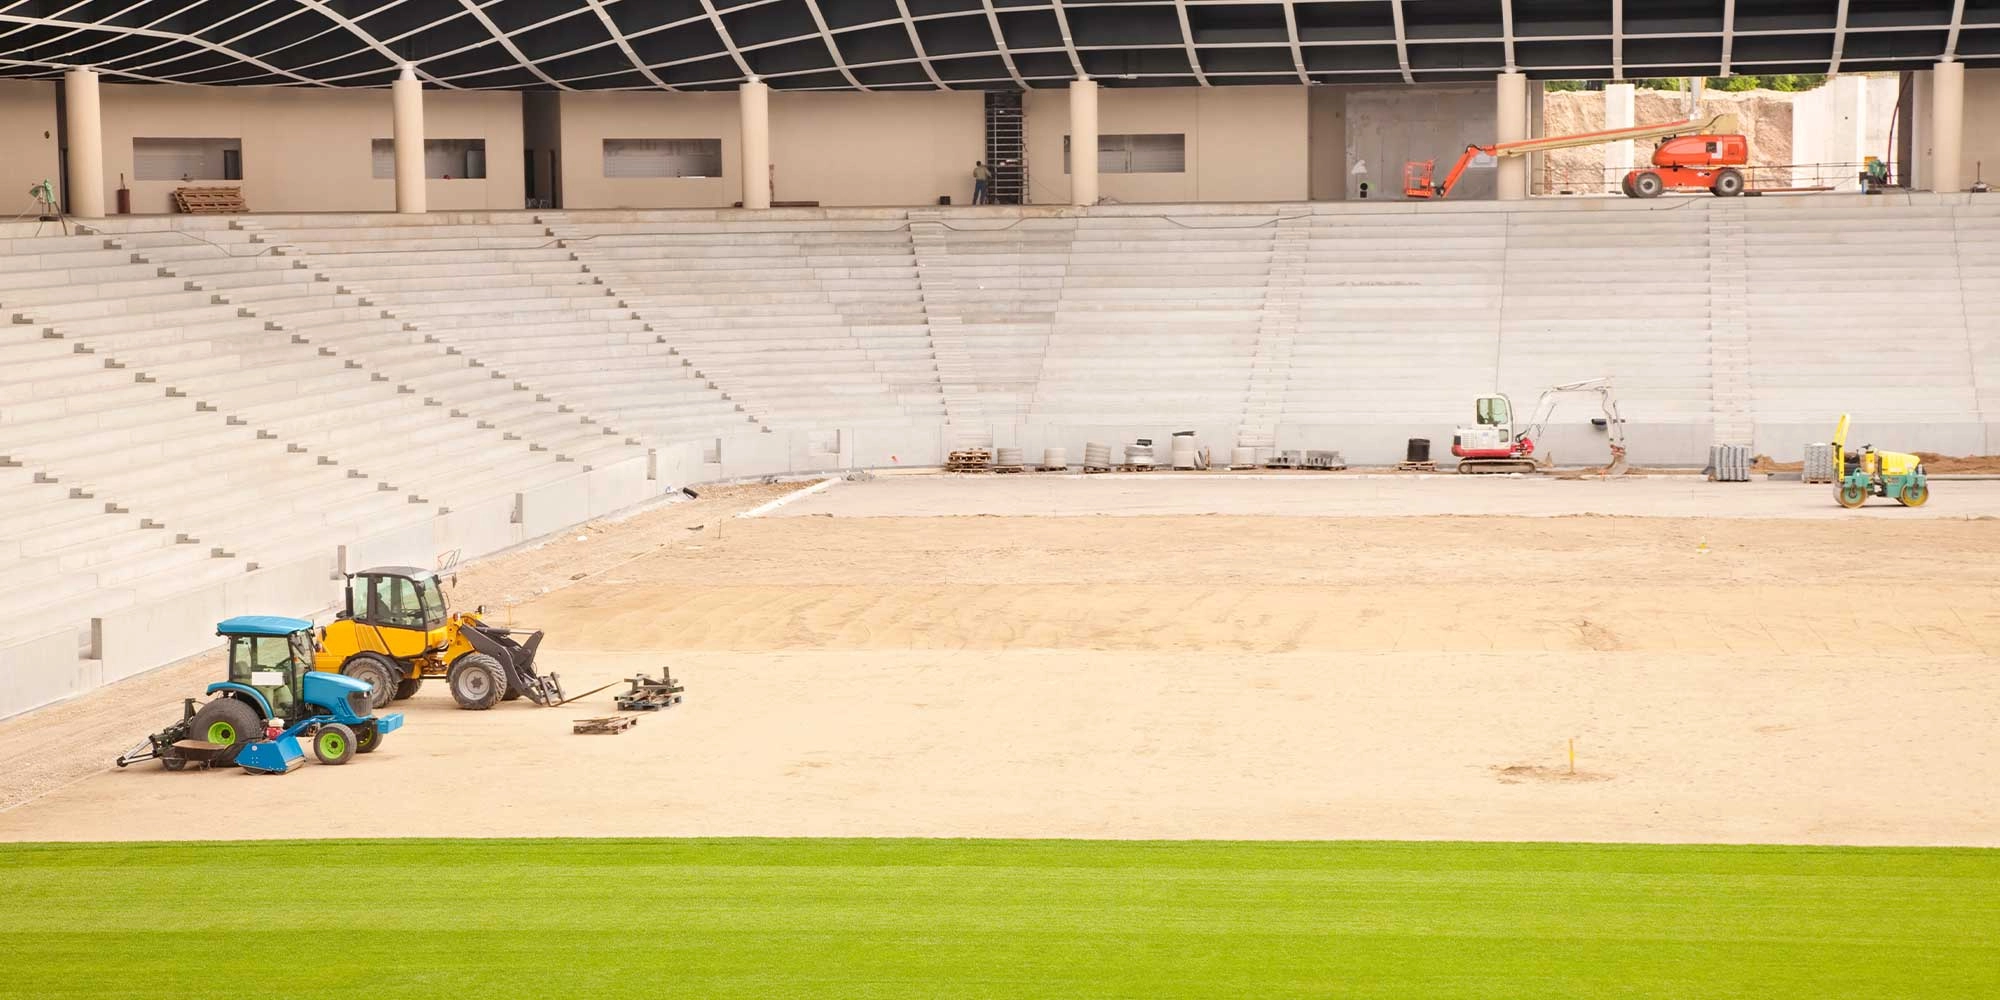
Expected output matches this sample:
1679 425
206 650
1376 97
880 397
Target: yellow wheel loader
396 632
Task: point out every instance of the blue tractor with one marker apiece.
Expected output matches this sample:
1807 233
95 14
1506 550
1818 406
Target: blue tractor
272 699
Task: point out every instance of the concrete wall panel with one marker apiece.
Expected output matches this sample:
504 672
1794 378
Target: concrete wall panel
555 506
37 671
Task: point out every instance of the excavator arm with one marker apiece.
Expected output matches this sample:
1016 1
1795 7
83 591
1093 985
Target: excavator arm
1614 423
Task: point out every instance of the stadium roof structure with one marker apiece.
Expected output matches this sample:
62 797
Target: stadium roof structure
973 44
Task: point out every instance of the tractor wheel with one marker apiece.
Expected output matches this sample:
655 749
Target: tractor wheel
1852 496
334 744
1915 494
408 687
229 722
174 763
367 738
1728 183
1648 185
477 682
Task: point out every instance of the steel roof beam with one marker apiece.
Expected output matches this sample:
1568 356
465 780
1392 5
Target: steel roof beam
924 59
1402 41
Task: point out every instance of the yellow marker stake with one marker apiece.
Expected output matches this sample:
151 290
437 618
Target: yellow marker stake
1572 755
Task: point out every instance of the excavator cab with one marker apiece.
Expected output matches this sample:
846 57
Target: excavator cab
1492 432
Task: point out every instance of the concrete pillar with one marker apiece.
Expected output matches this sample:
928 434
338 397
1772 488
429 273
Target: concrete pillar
755 101
1947 126
1620 104
1083 142
408 97
85 122
1510 124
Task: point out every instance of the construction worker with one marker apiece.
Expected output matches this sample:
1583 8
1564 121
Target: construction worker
982 182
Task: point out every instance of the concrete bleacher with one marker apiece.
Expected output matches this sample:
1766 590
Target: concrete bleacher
800 320
201 415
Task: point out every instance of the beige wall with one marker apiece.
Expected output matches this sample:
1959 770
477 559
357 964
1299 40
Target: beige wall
836 149
1243 143
1326 132
876 149
589 119
27 142
310 150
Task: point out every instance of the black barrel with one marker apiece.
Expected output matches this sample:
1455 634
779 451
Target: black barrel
1419 450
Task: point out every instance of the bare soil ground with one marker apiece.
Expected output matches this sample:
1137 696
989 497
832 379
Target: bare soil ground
1771 679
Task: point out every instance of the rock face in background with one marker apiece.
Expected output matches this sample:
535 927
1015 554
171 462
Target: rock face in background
1815 137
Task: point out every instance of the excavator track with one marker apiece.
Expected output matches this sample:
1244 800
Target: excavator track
1495 466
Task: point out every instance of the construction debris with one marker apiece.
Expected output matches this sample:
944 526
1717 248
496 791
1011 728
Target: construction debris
609 725
649 695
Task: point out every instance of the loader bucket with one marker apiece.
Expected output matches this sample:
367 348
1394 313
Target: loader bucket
518 659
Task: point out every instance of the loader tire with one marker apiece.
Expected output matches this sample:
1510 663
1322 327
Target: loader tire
226 720
477 682
1728 183
379 674
408 687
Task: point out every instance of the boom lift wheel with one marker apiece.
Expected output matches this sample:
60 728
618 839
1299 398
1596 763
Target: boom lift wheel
1648 184
1728 183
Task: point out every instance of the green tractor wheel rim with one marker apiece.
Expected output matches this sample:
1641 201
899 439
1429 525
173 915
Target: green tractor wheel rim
332 744
221 732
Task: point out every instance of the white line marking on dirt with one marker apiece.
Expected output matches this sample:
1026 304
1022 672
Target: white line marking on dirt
765 508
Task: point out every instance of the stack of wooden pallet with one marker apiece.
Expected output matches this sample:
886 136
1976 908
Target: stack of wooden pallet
210 201
970 460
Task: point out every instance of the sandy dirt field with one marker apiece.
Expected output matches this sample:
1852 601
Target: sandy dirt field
851 670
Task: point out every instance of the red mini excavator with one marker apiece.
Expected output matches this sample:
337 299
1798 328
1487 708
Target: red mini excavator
1692 155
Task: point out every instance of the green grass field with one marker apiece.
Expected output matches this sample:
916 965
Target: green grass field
1068 919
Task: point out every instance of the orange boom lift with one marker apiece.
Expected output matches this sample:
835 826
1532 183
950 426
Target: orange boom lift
1692 155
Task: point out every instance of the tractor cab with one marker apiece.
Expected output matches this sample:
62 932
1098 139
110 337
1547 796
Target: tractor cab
268 655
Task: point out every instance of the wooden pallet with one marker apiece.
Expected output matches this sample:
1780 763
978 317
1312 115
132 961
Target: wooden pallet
1416 466
210 201
610 725
1091 470
1010 468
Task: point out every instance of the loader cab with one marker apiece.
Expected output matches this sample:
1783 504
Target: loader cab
398 597
269 655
